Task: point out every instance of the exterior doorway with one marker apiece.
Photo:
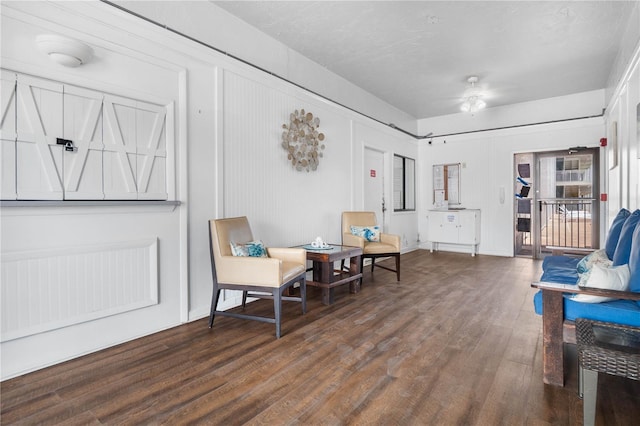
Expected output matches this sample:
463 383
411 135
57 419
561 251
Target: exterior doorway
556 208
374 184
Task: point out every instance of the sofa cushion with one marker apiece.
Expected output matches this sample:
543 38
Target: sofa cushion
560 262
614 278
617 311
614 232
634 262
623 249
560 269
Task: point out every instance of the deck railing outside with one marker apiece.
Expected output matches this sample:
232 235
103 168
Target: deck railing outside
566 223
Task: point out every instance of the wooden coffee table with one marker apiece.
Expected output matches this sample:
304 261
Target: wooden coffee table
326 277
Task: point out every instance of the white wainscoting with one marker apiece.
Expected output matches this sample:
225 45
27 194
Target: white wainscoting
44 290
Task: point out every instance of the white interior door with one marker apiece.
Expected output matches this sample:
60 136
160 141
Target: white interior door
374 183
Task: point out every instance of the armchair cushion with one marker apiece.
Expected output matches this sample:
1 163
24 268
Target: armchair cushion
379 248
369 233
250 249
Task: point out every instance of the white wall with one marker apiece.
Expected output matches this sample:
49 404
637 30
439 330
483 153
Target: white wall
27 230
487 158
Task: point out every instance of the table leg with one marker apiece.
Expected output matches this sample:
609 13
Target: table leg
552 342
327 277
354 269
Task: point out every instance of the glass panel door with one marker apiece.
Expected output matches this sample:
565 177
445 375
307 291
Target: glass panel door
567 203
558 212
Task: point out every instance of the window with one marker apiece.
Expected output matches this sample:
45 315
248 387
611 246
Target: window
404 183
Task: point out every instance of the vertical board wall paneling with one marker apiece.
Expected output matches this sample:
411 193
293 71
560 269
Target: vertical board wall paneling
45 290
301 204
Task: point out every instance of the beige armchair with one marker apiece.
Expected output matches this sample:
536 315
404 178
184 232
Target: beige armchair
281 270
388 246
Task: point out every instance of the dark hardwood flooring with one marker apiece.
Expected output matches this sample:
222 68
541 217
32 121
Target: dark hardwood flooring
456 342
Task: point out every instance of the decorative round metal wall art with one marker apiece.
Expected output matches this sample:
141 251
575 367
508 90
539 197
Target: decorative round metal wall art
302 141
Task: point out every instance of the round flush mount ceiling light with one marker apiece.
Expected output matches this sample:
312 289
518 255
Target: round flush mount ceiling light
63 50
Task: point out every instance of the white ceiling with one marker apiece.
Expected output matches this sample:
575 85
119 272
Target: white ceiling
417 55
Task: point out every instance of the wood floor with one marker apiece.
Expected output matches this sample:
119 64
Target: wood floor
456 342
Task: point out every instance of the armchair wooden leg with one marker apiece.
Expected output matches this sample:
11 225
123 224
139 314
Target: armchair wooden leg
214 304
244 299
397 256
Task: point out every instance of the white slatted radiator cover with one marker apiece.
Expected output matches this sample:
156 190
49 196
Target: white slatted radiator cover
47 289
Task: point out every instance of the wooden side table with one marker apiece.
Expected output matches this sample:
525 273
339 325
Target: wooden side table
326 277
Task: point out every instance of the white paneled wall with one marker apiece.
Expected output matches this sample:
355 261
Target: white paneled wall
623 135
284 206
487 166
46 290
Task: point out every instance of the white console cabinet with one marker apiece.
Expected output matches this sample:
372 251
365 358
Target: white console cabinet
454 227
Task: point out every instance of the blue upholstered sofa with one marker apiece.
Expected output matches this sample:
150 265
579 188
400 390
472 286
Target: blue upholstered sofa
568 283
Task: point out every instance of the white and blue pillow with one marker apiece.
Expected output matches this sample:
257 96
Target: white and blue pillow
613 278
598 257
250 249
369 233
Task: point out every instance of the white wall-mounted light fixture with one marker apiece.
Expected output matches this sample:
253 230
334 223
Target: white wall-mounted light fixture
63 50
473 97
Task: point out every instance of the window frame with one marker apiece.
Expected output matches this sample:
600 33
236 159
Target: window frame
403 191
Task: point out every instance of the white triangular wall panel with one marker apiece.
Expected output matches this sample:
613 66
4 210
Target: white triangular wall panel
119 145
8 136
151 151
39 123
83 172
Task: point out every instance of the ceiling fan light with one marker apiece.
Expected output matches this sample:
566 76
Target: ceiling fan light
472 100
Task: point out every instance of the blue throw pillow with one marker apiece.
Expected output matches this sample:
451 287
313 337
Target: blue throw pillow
634 262
623 249
614 232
